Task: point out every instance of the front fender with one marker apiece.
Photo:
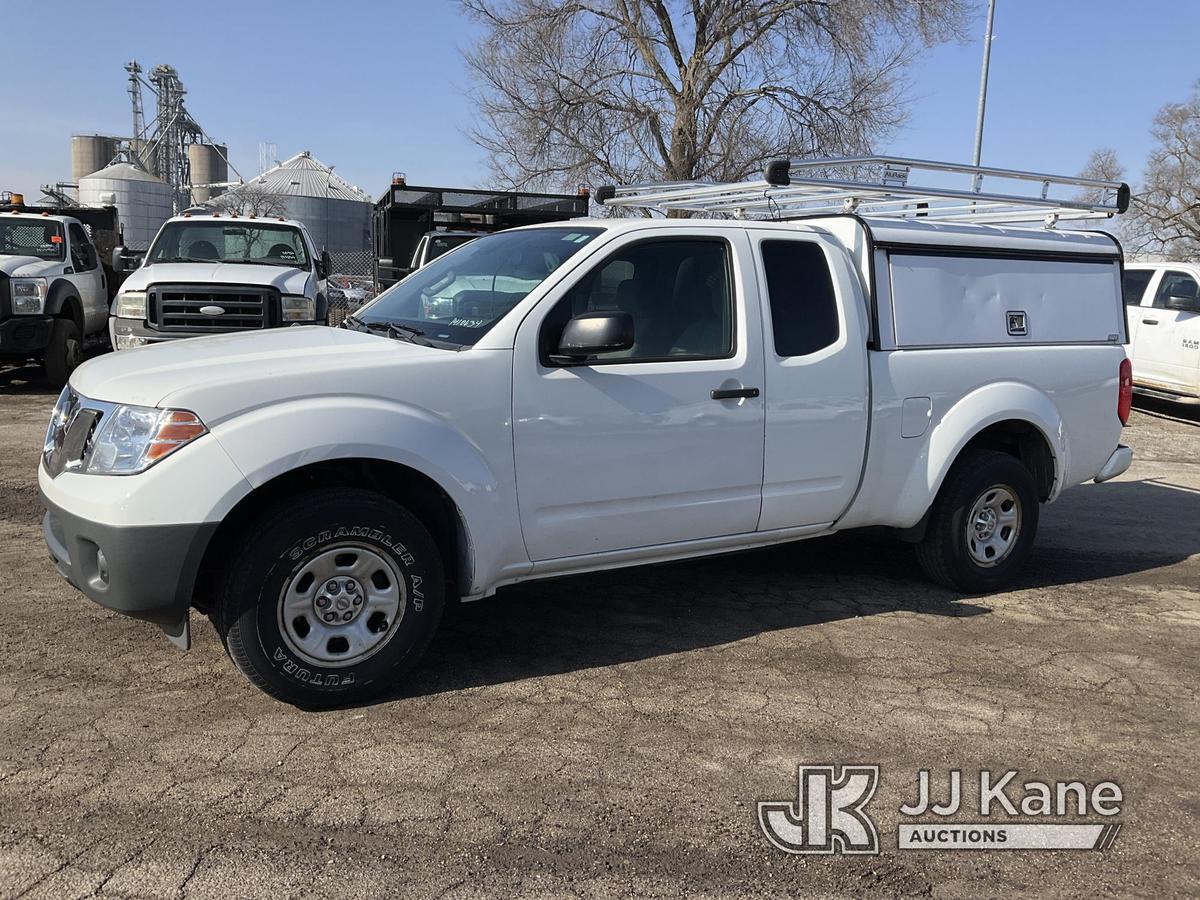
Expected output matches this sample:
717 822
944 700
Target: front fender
58 294
270 441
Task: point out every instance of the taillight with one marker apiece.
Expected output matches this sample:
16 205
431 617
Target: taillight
1124 391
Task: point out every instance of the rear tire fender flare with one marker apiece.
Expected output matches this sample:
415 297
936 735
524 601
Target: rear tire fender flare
993 403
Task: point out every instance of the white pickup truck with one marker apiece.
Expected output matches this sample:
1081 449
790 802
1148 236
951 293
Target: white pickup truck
216 273
568 398
1164 328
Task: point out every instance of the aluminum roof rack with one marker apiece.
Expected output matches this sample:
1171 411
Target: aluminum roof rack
886 187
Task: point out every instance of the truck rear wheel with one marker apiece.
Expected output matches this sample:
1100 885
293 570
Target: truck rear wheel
982 524
332 597
64 352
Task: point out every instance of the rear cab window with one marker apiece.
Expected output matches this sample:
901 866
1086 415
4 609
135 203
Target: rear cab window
804 314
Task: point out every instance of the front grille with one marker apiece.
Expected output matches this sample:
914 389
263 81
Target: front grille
179 308
75 422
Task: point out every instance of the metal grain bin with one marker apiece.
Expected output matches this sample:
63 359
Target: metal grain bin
336 213
91 153
207 163
143 201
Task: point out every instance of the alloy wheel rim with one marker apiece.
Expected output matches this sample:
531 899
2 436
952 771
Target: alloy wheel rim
342 606
993 526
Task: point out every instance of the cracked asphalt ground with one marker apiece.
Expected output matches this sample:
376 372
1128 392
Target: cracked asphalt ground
610 734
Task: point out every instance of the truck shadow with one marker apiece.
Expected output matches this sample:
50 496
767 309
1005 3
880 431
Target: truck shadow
28 377
1183 410
24 378
1094 532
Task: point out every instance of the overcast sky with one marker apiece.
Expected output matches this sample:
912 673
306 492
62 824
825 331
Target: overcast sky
373 88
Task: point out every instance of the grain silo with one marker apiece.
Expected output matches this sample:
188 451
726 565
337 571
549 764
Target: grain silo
337 214
208 164
143 201
91 153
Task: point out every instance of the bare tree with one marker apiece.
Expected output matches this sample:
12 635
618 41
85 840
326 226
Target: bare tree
1167 207
250 199
590 91
1164 211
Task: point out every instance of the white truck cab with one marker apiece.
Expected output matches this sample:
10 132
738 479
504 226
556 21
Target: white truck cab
580 396
1163 308
54 289
434 243
217 273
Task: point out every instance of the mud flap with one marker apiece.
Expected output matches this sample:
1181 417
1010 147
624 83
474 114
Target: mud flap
180 633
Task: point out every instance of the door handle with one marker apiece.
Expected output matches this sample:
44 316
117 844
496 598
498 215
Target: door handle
1149 321
734 393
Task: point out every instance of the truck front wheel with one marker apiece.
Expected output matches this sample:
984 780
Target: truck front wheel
331 598
63 353
982 524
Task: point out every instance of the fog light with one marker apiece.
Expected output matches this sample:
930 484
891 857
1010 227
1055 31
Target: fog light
129 341
101 566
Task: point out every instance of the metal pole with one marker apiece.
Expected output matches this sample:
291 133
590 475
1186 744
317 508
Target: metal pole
983 82
983 90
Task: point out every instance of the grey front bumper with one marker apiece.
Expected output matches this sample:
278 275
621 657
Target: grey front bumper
146 571
1118 462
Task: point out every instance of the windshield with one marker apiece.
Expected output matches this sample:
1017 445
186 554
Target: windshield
31 237
263 243
456 299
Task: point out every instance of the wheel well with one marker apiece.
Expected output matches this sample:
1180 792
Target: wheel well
418 493
72 309
1026 442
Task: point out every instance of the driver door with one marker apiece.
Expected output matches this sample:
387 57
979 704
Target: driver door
88 279
631 449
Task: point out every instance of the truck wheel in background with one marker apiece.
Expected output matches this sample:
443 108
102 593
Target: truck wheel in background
63 353
982 524
332 596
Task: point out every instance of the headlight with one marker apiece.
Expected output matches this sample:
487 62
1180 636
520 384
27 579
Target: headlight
28 296
299 309
131 305
133 438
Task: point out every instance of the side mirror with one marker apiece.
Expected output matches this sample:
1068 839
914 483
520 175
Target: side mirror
591 334
1183 303
325 266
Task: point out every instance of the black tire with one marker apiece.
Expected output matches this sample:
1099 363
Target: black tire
64 352
952 558
284 548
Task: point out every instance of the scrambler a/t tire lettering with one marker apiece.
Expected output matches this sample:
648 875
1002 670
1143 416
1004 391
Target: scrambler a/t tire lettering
331 598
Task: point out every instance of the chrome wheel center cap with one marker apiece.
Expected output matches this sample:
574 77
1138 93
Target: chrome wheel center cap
985 523
339 601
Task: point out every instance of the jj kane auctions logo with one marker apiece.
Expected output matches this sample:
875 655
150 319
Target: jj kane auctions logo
829 814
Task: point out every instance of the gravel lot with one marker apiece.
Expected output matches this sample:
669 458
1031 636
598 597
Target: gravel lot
610 734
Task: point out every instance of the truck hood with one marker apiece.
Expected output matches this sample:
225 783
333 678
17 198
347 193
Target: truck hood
286 279
219 375
30 266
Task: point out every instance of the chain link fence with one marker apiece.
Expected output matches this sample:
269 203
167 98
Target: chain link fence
352 285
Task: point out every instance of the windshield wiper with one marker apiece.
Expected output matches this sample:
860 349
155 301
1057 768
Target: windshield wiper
407 333
264 262
397 330
170 259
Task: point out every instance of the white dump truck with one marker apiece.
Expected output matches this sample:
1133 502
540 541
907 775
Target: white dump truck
214 273
599 393
59 268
